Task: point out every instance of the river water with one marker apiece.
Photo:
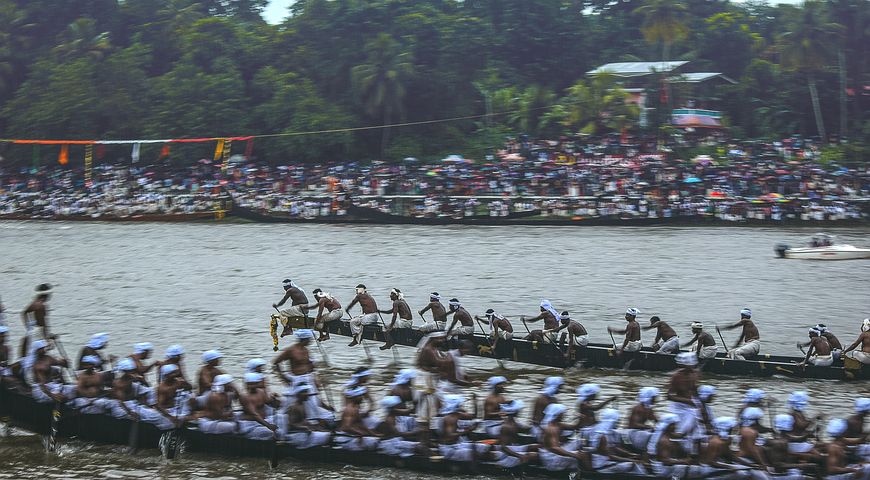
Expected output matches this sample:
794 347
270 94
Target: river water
212 285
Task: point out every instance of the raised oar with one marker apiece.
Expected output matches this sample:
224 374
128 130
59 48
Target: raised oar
722 338
63 354
523 319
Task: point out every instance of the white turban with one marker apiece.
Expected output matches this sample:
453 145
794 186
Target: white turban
837 427
551 386
706 391
632 311
798 400
552 412
126 365
587 390
753 395
664 422
724 425
210 356
167 369
390 401
304 334
253 377
254 364
746 313
646 395
862 405
495 381
783 422
451 403
750 415
142 347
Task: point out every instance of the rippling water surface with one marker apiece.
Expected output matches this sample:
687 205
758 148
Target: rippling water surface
212 286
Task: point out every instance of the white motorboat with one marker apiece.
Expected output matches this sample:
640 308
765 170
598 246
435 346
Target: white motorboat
823 247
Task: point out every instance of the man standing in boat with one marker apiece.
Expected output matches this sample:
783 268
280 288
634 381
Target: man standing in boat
862 355
704 343
298 305
819 353
369 314
401 317
749 343
439 314
666 341
551 324
35 318
632 342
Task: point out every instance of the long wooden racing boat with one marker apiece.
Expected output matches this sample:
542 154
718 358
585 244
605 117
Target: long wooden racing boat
598 355
21 411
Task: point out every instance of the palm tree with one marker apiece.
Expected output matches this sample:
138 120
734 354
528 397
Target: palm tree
663 22
81 39
599 104
807 49
380 83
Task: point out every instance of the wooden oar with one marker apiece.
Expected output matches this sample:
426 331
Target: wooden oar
361 340
170 448
63 354
613 340
801 348
722 338
490 340
51 440
133 440
523 319
392 347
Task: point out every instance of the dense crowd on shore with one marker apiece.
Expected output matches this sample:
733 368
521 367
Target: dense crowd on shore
561 178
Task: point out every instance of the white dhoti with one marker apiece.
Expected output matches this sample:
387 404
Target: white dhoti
303 440
145 414
462 330
549 337
89 406
400 323
862 357
688 424
427 406
431 326
709 351
462 451
638 439
216 427
671 345
357 323
313 410
503 335
634 346
748 349
822 360
556 463
800 447
603 464
54 387
580 341
406 424
354 443
863 473
293 311
327 317
492 428
254 430
504 460
397 447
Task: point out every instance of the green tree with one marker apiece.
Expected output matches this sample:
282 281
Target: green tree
597 105
83 38
808 47
381 82
664 22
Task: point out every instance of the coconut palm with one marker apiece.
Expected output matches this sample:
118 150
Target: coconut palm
596 105
663 22
808 47
380 82
81 38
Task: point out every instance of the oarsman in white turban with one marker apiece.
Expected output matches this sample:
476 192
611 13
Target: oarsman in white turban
551 320
800 428
173 393
500 328
547 396
328 310
667 341
492 414
632 342
298 306
553 455
142 351
819 353
855 427
605 445
837 465
717 458
749 343
128 395
439 314
403 388
305 429
642 419
587 394
35 318
862 354
301 372
95 347
369 315
400 317
702 343
706 396
392 437
749 452
509 453
352 433
89 388
836 346
45 388
454 444
218 416
211 359
258 420
667 457
460 316
574 332
681 392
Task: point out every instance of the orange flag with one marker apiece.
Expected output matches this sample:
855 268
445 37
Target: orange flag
63 156
164 152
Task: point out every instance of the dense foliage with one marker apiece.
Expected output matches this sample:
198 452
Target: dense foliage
181 68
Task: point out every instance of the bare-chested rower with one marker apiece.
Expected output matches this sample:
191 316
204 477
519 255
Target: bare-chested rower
683 394
819 353
551 324
255 422
704 343
171 393
492 414
35 318
298 305
430 360
461 316
666 341
89 388
642 419
401 317
328 310
632 342
45 388
217 417
862 355
574 332
211 360
500 328
749 452
749 343
439 314
369 314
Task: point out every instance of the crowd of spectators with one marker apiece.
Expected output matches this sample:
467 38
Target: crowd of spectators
608 177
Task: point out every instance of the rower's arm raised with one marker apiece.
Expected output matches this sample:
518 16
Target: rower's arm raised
283 300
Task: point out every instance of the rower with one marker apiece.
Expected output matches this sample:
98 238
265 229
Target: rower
304 429
453 376
301 371
800 428
89 388
403 389
211 359
717 458
551 319
360 378
819 353
174 356
35 318
98 342
296 310
393 437
632 342
453 444
352 433
255 365
218 417
552 455
586 395
749 452
128 393
172 395
836 464
509 454
547 396
401 317
642 419
369 314
749 343
605 444
862 355
575 333
666 341
461 316
753 398
45 388
682 391
328 310
499 327
706 395
439 314
492 414
254 422
836 346
141 352
702 343
667 456
855 428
